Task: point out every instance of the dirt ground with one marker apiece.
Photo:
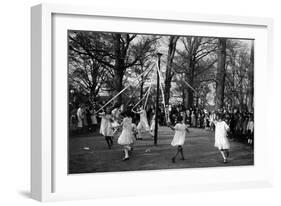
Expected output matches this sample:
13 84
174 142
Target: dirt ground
89 153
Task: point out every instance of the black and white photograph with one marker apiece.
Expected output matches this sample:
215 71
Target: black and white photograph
139 102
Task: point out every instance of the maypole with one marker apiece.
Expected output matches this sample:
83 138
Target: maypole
157 102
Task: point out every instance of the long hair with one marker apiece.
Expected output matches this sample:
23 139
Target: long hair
179 119
219 116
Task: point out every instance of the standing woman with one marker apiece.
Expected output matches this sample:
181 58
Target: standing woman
106 127
193 119
221 141
206 120
80 118
167 114
143 123
212 120
250 130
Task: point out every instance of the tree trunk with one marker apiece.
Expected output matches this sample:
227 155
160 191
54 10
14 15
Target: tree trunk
241 98
185 98
190 82
220 77
197 101
190 99
185 93
193 46
169 73
92 94
251 79
119 82
119 66
142 84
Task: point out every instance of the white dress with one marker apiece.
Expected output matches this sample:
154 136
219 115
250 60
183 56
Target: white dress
250 126
212 119
116 115
126 136
143 124
167 115
152 126
80 116
193 119
221 141
106 126
179 137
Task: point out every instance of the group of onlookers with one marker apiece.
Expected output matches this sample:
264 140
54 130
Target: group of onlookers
85 119
241 123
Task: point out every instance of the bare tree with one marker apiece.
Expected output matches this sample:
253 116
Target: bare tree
251 79
110 50
169 72
238 74
195 60
220 77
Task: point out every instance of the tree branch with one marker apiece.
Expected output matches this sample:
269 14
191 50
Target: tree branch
206 69
205 54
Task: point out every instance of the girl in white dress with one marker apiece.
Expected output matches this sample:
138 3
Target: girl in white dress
116 114
143 123
179 137
167 114
126 138
221 141
106 127
193 119
80 118
212 120
152 126
250 130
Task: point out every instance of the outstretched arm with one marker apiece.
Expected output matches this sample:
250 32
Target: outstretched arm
227 127
120 125
215 122
171 127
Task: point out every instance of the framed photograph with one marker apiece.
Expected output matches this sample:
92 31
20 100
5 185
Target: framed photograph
129 102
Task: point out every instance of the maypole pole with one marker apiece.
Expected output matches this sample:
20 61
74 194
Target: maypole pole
157 102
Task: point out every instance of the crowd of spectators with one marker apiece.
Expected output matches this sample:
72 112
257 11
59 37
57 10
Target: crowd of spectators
84 119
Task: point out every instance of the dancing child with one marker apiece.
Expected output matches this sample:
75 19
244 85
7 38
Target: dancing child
179 137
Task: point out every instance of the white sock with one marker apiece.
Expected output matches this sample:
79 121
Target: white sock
128 148
126 153
223 155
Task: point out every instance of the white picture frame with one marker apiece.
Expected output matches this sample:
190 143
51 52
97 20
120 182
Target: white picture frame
49 179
